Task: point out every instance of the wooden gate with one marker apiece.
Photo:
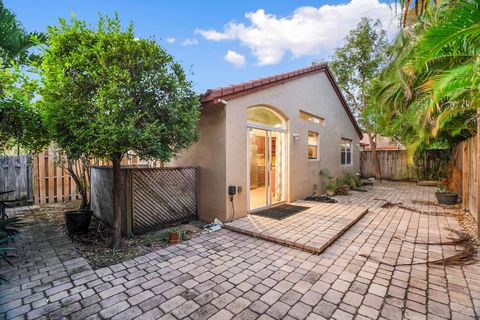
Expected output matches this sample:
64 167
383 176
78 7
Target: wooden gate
17 174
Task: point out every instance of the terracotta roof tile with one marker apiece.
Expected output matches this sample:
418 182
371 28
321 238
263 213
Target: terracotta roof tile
244 88
221 92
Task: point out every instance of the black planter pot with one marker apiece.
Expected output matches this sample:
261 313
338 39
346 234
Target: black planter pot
447 197
78 221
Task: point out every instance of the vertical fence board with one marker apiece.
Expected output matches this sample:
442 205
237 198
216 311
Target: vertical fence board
41 178
16 175
476 158
394 164
51 177
59 183
52 183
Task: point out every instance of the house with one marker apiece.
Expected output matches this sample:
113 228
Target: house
264 142
383 144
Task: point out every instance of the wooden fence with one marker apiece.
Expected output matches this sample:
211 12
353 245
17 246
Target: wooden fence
16 174
429 165
52 183
468 170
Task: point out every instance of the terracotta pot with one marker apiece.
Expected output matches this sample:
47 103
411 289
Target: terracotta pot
330 193
174 238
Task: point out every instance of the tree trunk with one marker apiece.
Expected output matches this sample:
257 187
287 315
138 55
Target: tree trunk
78 176
117 214
375 161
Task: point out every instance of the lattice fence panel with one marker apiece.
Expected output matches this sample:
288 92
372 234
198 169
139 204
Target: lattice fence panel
163 197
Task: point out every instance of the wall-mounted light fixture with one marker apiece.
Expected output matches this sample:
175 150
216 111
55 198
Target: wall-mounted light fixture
296 136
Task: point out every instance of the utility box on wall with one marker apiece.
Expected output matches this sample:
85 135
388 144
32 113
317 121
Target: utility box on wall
151 197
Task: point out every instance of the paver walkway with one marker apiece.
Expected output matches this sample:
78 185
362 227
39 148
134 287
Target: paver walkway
312 230
227 275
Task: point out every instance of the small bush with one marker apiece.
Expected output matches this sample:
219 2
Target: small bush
351 180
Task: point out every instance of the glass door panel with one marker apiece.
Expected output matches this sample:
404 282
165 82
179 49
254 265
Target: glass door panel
277 156
259 158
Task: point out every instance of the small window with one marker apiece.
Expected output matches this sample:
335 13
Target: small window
310 117
346 152
312 145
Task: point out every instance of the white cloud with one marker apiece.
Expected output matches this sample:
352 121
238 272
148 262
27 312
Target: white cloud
235 58
171 40
308 31
190 42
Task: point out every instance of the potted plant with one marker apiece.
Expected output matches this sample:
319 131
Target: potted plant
78 221
446 197
351 180
331 188
175 235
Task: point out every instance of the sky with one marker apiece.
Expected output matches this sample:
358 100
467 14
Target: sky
225 42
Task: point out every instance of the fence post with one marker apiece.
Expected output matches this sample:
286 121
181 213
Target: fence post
197 188
477 164
30 180
129 202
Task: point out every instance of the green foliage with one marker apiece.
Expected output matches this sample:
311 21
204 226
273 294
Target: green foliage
357 63
442 188
325 174
351 180
331 186
15 41
432 164
430 92
20 122
419 9
106 92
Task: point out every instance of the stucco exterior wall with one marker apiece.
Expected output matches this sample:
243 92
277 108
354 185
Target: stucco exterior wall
222 150
313 94
209 154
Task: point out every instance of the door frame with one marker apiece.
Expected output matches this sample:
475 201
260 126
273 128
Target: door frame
268 145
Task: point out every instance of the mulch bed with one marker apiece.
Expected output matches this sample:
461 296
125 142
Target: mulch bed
94 246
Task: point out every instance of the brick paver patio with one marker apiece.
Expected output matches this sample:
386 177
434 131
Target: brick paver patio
312 230
227 275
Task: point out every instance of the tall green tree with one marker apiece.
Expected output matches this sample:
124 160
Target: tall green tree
20 122
355 65
106 93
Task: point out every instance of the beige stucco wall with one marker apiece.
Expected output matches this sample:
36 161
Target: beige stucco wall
209 154
313 94
222 151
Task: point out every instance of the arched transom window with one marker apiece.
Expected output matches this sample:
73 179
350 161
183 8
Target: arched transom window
265 116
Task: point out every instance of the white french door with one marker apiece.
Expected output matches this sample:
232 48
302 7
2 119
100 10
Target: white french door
266 166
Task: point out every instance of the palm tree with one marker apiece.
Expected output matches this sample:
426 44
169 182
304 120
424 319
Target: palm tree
15 41
431 90
415 10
